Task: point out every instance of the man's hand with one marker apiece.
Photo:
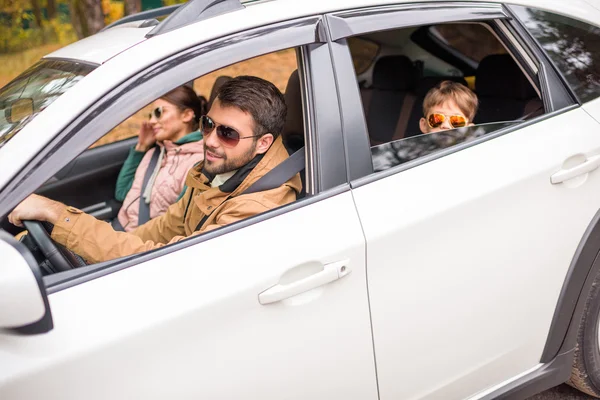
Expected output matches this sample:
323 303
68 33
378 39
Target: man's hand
36 208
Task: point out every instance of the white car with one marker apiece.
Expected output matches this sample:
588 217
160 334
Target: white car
454 265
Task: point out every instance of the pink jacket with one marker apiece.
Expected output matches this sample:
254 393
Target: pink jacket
177 161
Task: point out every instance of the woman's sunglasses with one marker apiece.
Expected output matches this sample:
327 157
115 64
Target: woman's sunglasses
156 113
228 136
436 120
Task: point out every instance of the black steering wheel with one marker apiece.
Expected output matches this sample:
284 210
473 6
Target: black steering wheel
61 258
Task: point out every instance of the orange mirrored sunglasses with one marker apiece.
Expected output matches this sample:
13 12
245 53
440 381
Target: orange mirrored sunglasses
435 120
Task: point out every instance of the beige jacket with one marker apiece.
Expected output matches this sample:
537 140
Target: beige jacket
96 241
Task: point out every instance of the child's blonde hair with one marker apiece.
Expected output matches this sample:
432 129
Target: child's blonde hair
464 98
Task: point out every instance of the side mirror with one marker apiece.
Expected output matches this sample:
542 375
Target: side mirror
24 306
19 110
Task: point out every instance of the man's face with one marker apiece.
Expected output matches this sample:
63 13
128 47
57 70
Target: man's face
448 109
220 158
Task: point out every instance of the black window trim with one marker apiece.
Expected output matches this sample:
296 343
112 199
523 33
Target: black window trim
356 139
154 81
354 22
552 71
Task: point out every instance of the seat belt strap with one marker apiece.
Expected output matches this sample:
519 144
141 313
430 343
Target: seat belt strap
144 211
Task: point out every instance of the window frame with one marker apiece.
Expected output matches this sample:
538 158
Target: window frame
327 175
355 22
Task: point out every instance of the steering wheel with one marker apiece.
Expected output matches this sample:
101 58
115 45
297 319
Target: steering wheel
61 258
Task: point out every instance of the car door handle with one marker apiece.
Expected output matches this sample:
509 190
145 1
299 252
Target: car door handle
565 174
330 273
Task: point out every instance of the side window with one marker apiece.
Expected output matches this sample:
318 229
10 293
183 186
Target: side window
574 46
274 67
432 87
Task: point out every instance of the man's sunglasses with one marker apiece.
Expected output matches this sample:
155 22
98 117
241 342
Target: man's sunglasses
228 136
156 113
436 120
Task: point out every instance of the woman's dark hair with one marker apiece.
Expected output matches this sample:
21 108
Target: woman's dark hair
258 97
185 97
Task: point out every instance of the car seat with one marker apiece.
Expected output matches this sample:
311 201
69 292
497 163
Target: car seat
389 101
504 92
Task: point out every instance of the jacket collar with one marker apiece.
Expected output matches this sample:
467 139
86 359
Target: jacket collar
211 198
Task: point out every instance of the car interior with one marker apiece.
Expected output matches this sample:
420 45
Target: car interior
394 69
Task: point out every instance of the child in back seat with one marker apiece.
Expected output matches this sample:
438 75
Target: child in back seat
448 105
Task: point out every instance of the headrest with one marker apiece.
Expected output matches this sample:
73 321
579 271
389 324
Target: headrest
427 83
499 76
293 132
213 93
394 73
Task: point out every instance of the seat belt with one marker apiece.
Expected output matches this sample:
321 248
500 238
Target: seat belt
144 211
276 177
280 174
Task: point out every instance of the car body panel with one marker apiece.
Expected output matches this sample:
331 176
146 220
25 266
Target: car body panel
485 228
102 46
189 325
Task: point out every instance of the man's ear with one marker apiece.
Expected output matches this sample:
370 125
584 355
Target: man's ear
423 125
264 143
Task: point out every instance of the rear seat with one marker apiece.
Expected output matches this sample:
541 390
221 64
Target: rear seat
390 99
504 92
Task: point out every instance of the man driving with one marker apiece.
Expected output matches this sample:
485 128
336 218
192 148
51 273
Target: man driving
241 144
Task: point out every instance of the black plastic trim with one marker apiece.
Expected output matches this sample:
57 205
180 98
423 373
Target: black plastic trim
354 127
64 280
571 301
355 22
144 15
553 373
442 153
555 78
44 324
133 94
194 11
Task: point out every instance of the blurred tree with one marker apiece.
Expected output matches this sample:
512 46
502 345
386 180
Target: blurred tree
87 17
132 6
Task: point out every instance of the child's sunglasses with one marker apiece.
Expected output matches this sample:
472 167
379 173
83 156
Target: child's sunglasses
228 136
435 120
156 113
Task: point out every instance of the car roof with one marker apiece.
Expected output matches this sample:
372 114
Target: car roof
101 47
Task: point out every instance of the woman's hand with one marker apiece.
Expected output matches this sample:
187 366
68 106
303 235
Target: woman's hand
146 137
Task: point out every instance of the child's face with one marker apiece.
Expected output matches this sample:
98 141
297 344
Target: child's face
448 109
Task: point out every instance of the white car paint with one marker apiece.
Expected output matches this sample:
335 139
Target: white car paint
465 282
181 326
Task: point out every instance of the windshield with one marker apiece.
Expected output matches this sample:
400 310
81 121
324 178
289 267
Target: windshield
390 154
35 89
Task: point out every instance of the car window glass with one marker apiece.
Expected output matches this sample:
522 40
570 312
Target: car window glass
274 67
573 45
473 41
410 63
364 53
34 90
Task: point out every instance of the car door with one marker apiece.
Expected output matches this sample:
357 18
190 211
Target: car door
272 307
468 248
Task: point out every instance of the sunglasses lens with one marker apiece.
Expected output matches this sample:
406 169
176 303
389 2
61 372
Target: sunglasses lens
229 136
156 113
206 125
436 120
458 121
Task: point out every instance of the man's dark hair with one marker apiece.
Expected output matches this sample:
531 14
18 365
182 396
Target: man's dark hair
259 98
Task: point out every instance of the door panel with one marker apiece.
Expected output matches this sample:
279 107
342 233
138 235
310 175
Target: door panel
189 324
90 178
467 255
